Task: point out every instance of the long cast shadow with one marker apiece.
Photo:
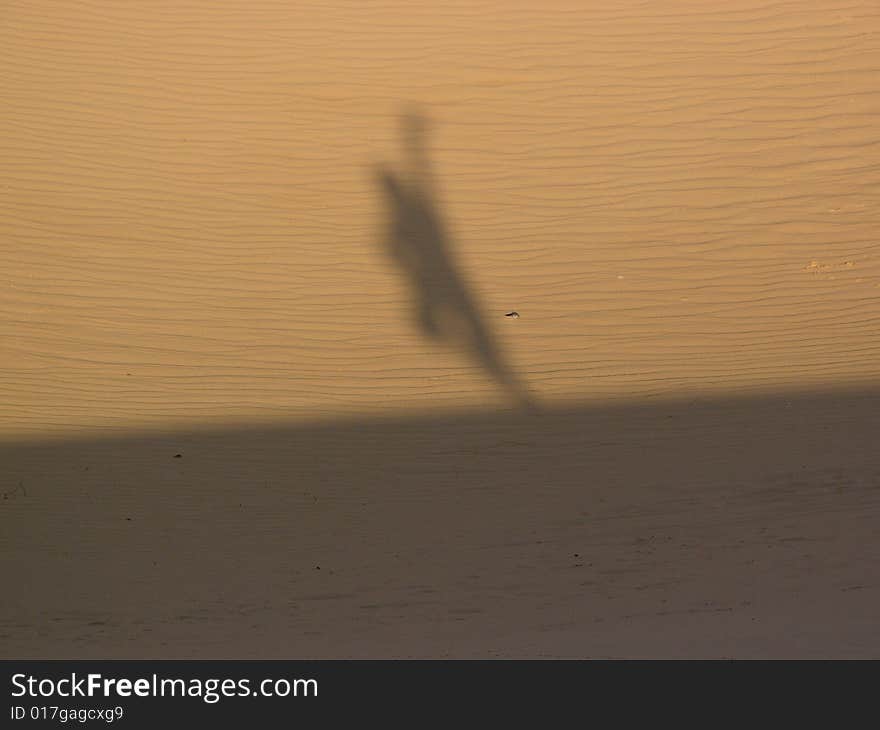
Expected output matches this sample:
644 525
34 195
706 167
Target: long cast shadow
419 243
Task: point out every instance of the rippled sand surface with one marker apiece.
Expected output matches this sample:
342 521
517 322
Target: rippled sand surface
281 239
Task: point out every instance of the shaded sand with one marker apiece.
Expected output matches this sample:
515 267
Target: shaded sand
695 529
281 239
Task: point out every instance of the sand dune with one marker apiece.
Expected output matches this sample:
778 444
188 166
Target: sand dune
218 228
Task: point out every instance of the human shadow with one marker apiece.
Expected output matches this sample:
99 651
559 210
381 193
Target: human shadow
419 243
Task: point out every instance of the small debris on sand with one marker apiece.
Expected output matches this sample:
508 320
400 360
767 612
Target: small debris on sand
818 267
515 315
13 492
